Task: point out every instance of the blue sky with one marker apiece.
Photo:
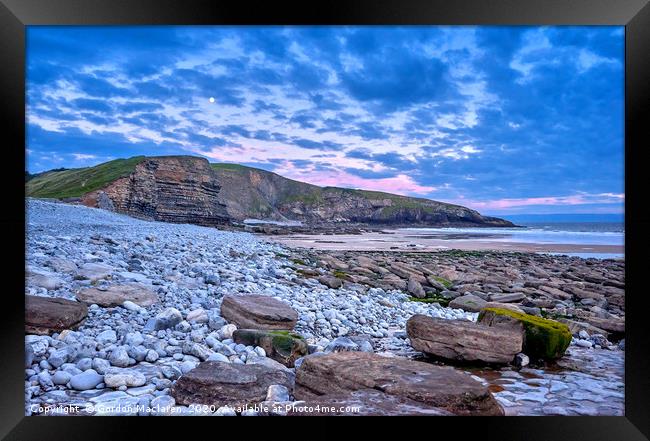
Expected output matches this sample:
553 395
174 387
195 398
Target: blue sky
505 120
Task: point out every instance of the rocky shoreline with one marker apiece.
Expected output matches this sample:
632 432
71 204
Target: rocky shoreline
155 324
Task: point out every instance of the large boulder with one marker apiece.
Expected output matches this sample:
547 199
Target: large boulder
258 312
462 340
227 384
116 295
363 402
45 315
436 386
468 302
282 346
543 338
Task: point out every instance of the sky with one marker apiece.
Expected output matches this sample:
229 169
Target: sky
504 120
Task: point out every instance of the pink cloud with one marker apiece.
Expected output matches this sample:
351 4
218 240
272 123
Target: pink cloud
400 184
578 199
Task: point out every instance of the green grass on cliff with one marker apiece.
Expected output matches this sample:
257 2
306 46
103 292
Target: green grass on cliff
79 181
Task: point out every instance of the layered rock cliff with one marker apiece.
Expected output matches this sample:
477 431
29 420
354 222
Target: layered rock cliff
181 189
188 189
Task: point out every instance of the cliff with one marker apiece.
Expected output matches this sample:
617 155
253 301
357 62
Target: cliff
258 194
181 189
188 189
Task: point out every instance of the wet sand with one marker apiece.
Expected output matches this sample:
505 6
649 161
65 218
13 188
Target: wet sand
396 240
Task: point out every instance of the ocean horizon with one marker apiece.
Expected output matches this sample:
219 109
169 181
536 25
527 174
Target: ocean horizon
579 233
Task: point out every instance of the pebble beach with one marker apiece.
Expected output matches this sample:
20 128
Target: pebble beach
126 356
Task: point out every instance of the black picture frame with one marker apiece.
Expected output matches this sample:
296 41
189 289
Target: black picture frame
633 14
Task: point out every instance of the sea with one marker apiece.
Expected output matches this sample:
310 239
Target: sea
580 233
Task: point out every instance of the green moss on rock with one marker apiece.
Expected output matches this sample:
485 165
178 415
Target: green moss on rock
543 339
433 299
446 283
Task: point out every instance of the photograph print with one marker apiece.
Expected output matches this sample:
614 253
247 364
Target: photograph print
325 220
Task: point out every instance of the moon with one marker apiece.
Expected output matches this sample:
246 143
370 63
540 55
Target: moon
211 99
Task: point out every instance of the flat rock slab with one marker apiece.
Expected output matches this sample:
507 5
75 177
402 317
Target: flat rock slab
435 386
220 384
45 315
462 340
364 402
468 302
116 295
509 297
258 312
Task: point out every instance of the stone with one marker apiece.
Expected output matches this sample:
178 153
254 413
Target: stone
43 280
583 343
282 346
508 306
168 318
277 393
94 271
116 378
84 364
119 357
45 315
100 365
468 302
198 316
61 377
521 360
45 380
576 326
216 322
363 402
116 295
543 338
221 384
198 350
37 344
462 340
415 288
129 305
162 405
226 331
218 357
430 385
86 380
612 325
509 297
105 337
340 344
151 356
331 281
258 312
60 265
59 356
212 279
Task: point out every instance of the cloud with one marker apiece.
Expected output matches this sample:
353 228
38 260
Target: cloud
493 115
576 199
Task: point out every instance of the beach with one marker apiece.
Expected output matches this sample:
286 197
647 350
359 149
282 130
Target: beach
431 240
